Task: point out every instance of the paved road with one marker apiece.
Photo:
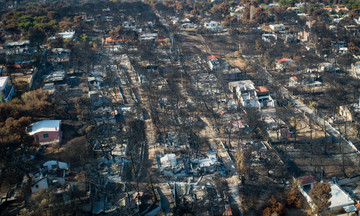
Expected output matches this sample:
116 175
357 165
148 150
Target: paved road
218 147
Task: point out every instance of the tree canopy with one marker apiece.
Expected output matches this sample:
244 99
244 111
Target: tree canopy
36 18
321 194
15 143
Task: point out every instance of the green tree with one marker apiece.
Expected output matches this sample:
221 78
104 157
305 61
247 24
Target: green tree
84 38
287 3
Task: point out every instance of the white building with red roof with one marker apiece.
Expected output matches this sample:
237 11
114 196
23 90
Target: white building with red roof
283 63
250 96
214 62
293 81
264 97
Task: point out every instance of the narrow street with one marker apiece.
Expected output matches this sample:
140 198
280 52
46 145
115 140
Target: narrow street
310 112
217 146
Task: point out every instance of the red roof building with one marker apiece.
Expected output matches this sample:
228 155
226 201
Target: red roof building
212 57
110 40
228 211
261 89
283 63
283 60
306 180
293 81
160 40
294 78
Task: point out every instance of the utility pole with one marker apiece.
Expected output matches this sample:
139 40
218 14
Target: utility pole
325 137
311 142
346 123
295 130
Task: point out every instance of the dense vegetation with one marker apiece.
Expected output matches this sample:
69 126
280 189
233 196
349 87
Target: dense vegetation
43 18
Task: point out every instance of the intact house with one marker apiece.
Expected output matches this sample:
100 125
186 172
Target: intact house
266 101
6 90
64 35
245 93
340 200
46 132
250 96
284 63
213 26
293 81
